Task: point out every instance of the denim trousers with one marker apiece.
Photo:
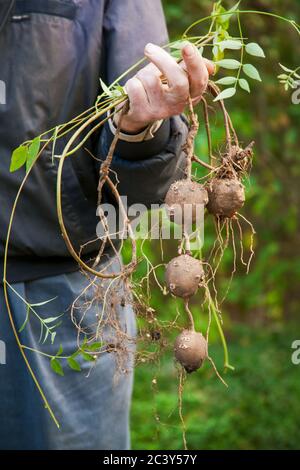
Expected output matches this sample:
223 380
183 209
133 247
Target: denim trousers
91 406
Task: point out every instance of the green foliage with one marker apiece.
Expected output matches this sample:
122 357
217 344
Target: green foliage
73 364
25 154
253 413
251 71
227 93
56 366
254 49
289 79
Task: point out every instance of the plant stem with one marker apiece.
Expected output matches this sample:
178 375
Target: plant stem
256 12
242 50
6 297
221 333
41 353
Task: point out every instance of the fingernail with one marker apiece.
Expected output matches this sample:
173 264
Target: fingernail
189 50
149 49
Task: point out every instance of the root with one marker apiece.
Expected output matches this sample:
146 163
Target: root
223 244
252 253
241 240
190 315
207 127
189 146
233 248
207 295
216 371
105 167
182 377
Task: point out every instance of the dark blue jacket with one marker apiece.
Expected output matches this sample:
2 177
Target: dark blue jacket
52 53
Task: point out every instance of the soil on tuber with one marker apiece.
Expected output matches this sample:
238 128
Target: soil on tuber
190 350
184 275
226 197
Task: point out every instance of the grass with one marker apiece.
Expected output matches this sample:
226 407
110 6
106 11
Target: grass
260 410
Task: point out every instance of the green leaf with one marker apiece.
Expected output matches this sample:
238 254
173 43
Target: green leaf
283 76
244 84
53 337
26 319
118 91
105 88
254 49
222 19
94 346
18 158
33 151
227 93
285 68
51 319
226 81
46 336
60 351
56 366
86 356
235 7
73 364
41 304
56 325
230 44
217 53
228 63
251 71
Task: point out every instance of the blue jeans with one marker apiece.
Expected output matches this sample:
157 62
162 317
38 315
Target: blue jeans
92 406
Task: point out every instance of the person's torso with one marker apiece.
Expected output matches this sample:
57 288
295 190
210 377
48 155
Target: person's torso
50 62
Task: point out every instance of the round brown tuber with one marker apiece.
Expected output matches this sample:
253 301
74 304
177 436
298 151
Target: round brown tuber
184 274
190 350
183 199
225 197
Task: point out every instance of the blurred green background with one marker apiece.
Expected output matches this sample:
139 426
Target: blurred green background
261 407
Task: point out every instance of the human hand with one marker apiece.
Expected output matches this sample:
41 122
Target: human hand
151 100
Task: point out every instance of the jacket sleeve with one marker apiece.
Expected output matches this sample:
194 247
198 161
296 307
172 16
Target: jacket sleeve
145 170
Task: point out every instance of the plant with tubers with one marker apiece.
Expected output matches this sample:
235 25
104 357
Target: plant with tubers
220 191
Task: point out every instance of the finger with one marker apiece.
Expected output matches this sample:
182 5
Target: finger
153 86
176 77
196 69
138 100
151 68
210 66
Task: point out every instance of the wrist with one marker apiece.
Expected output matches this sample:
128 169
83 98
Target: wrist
129 126
138 134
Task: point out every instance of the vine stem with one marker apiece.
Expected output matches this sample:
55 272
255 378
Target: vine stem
116 195
6 296
221 333
256 12
242 50
214 89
